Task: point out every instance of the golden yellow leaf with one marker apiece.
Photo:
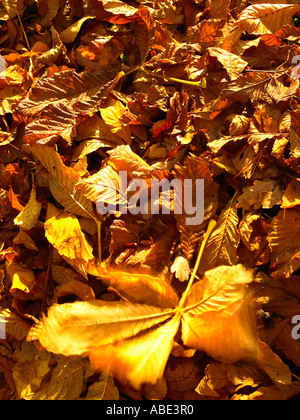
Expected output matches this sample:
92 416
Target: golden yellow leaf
29 216
118 7
75 328
261 19
103 186
13 8
89 146
69 35
22 278
181 268
216 313
140 288
103 390
64 233
26 240
284 241
13 76
217 317
112 116
124 159
233 64
264 194
139 360
30 369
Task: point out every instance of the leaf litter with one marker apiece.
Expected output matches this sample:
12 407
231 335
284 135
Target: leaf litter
146 306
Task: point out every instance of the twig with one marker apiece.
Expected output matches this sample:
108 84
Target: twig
23 30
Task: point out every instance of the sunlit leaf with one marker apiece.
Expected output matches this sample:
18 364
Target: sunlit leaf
139 360
266 18
218 313
63 231
74 329
29 216
62 181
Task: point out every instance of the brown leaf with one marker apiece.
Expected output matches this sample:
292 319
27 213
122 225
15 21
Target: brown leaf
262 19
223 243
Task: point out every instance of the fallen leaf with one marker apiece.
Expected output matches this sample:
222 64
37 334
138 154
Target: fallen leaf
64 233
223 243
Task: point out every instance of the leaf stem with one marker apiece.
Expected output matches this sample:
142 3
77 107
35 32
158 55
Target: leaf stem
210 229
201 83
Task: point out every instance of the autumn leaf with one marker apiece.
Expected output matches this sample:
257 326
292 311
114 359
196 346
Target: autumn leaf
265 194
112 116
230 295
102 187
118 335
71 95
29 371
219 307
13 324
63 231
22 278
107 186
26 240
264 18
66 381
195 169
188 293
105 389
233 64
291 196
119 8
69 35
251 86
122 319
283 239
131 359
